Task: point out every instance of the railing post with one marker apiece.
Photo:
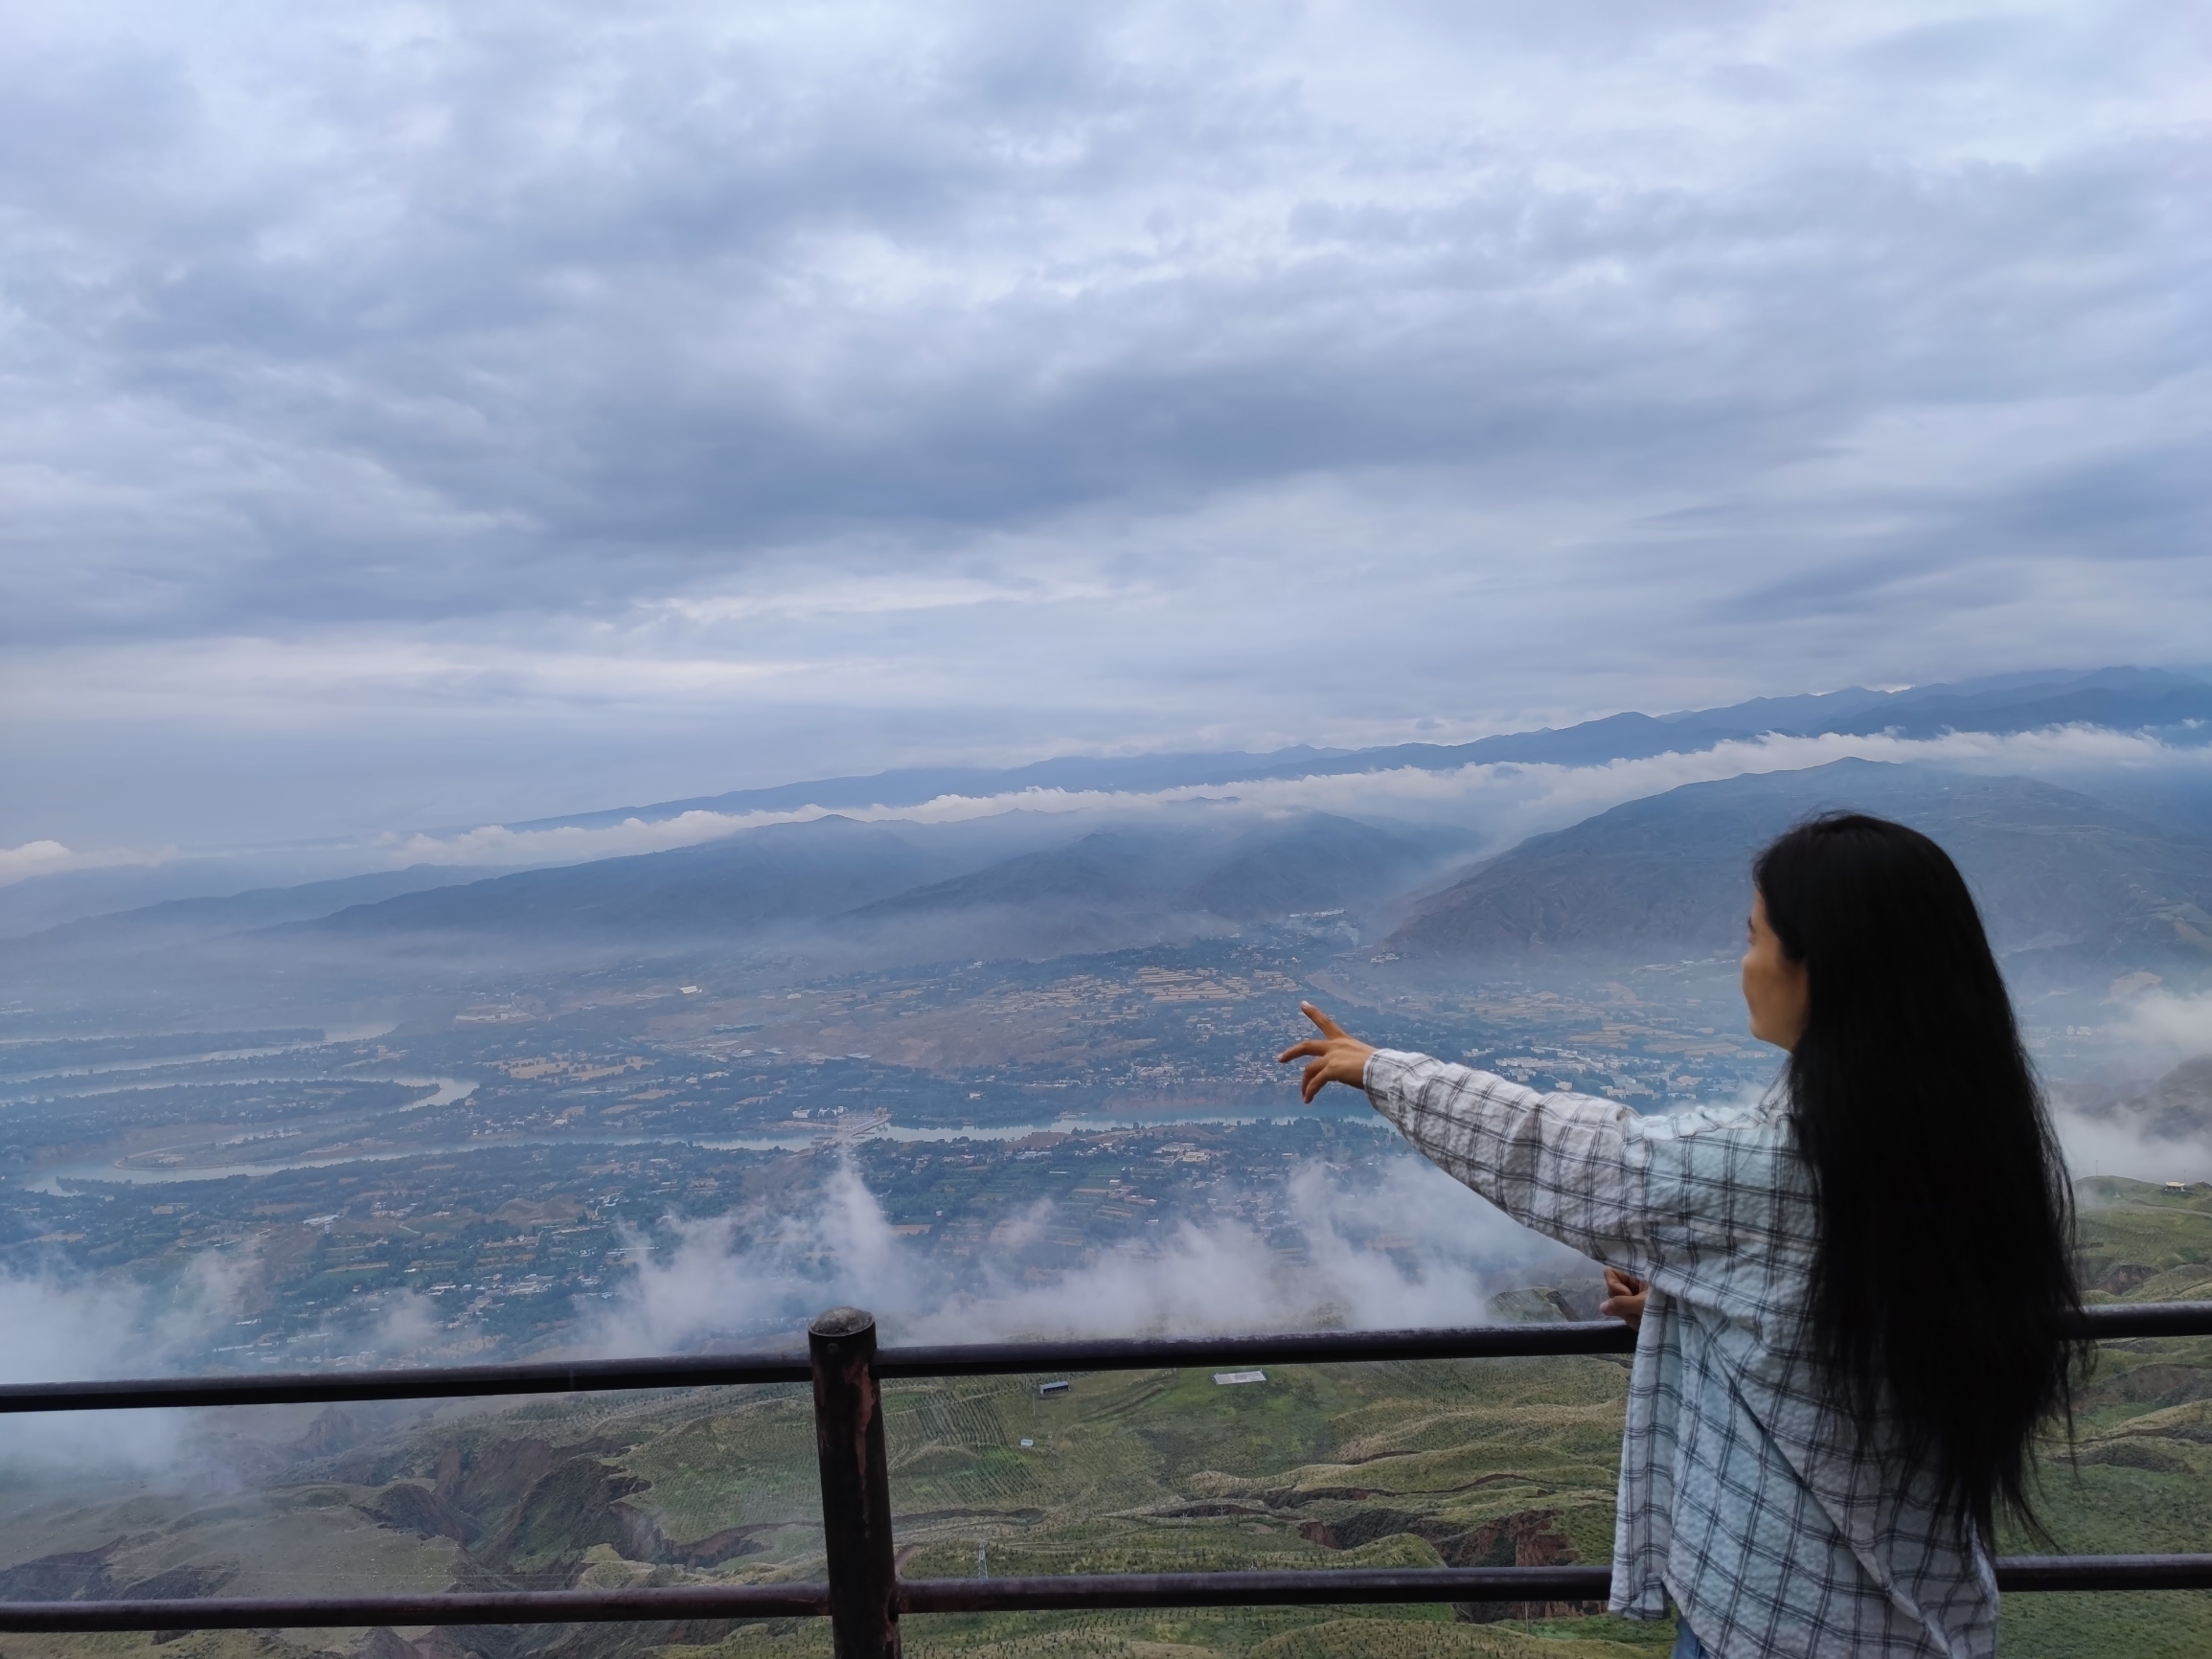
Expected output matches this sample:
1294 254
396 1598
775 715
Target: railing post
856 1485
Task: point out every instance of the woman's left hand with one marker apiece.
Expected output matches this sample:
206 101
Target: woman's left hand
1625 1295
1334 1057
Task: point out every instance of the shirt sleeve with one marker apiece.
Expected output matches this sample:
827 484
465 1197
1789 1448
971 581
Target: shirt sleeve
1562 1164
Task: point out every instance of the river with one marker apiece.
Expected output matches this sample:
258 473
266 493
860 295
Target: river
451 1089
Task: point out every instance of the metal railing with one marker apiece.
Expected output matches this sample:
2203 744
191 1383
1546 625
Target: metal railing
865 1597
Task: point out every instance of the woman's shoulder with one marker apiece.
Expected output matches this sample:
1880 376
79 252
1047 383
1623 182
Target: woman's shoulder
1742 1134
1732 1174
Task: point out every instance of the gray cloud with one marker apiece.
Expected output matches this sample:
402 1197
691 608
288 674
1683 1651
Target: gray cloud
544 379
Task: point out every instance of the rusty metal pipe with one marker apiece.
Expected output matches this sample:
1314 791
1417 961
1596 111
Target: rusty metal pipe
687 1601
856 1485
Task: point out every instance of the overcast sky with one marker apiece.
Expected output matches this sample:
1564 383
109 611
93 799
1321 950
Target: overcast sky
424 415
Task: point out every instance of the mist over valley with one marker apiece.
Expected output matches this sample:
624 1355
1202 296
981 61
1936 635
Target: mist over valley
992 1064
1122 964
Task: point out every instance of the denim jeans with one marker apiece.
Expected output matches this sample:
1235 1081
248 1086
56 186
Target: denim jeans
1686 1642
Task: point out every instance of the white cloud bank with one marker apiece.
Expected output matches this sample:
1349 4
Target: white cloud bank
68 1328
2098 1145
1507 800
749 1274
1504 800
64 1327
54 859
2162 1027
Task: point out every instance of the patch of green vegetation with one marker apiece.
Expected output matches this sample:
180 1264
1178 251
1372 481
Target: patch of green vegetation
750 1462
2167 1625
2141 1241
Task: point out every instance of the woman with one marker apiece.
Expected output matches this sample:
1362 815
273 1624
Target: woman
1860 1291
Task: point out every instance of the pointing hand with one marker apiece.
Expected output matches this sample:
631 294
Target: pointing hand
1332 1057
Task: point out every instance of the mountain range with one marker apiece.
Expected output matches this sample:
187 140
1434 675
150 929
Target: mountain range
922 891
2174 707
2061 875
2056 872
2063 872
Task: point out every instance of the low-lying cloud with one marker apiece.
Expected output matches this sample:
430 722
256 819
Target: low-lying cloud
2119 1144
758 1272
2159 1026
2121 1126
65 1326
67 1329
56 858
1508 800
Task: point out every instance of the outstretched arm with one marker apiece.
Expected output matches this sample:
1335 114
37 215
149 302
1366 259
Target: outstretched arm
1561 1164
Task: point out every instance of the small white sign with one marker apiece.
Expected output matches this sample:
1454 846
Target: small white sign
1225 1378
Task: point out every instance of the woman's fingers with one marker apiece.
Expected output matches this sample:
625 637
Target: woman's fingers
1329 1027
1335 1056
1626 1300
1336 1062
1313 1079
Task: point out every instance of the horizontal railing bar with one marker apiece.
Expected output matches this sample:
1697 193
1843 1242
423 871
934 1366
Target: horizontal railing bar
414 1382
2106 1323
457 1607
1345 1587
2118 1320
2040 1573
1315 1348
1341 1586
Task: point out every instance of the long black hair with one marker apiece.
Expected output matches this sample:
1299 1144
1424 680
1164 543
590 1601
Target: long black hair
1942 1283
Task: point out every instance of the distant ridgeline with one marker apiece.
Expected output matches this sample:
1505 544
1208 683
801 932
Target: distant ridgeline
2174 709
2064 877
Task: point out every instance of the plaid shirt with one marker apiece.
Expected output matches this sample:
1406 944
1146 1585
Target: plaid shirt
1741 1496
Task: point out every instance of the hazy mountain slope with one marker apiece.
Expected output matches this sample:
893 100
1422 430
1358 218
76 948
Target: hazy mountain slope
40 903
1121 868
1227 865
1014 884
1314 861
183 921
2055 871
781 872
1191 874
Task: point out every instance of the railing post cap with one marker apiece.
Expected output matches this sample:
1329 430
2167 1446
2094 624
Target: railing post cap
840 1322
